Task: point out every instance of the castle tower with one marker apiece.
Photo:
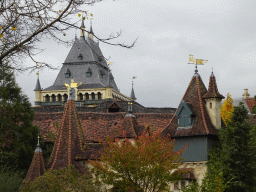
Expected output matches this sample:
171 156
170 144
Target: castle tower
85 63
38 90
213 102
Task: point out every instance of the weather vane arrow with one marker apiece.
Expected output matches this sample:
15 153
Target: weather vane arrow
196 61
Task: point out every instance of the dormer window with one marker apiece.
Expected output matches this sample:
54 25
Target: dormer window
88 72
102 73
80 56
185 116
67 73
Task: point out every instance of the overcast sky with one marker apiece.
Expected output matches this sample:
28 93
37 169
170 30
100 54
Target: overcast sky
223 32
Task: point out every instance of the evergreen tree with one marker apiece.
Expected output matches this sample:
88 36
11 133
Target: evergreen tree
18 136
237 143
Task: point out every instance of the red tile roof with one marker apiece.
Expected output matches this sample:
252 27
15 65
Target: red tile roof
213 89
250 102
37 166
202 125
69 141
97 126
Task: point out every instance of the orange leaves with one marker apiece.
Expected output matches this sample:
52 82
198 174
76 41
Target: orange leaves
148 158
227 109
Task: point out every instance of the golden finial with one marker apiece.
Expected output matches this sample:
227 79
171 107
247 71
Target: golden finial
37 73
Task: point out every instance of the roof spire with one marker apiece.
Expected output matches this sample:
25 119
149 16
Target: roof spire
82 29
213 89
37 166
91 32
132 92
38 86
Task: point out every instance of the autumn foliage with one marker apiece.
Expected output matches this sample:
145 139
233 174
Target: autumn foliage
143 164
227 109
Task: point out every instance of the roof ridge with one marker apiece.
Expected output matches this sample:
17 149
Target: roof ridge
201 104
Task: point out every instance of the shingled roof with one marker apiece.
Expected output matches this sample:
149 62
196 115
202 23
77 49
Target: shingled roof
202 125
38 86
37 166
84 55
213 89
69 140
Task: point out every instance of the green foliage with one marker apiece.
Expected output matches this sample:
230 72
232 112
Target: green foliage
10 180
18 136
140 166
66 179
238 146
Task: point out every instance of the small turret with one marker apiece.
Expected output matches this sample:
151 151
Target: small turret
37 167
109 87
213 102
132 92
38 90
91 32
246 94
82 29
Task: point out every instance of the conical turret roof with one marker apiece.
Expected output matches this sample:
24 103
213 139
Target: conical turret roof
37 166
38 86
193 98
69 141
133 95
213 89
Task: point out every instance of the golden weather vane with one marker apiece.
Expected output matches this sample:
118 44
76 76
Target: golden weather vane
196 61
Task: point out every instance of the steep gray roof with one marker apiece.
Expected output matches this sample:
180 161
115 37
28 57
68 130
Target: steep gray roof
85 55
38 86
133 94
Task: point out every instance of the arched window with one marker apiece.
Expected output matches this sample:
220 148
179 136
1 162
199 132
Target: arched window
59 97
88 72
80 96
93 96
99 96
65 97
53 98
47 98
210 105
86 96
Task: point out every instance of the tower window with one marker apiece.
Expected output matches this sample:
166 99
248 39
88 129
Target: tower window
210 105
93 96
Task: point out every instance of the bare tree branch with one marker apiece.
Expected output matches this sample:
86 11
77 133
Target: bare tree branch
23 23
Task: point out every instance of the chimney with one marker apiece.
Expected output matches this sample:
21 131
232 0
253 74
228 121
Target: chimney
246 94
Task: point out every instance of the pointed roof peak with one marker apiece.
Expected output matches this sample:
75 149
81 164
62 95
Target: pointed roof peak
37 166
213 89
70 139
193 99
132 92
38 86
